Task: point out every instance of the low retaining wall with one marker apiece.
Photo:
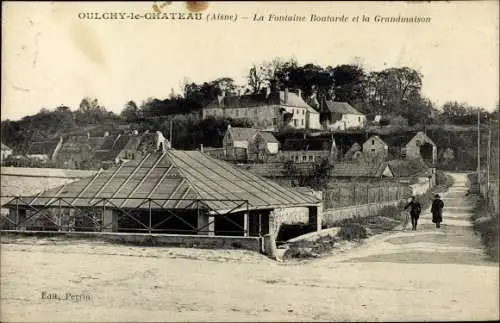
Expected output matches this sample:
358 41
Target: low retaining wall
364 210
174 240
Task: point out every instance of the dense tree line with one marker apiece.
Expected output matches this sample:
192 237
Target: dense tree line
394 93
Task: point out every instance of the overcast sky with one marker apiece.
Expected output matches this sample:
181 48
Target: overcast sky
51 57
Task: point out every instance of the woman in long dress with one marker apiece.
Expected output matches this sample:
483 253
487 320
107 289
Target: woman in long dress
437 210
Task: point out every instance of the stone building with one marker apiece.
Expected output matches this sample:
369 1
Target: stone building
375 147
269 110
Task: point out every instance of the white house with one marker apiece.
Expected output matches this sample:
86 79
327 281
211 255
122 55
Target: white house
248 141
6 152
303 115
342 116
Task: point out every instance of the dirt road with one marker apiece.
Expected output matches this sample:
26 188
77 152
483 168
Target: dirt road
431 274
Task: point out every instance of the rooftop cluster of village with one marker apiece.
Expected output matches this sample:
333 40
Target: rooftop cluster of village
335 138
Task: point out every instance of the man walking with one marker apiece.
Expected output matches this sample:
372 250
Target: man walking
415 210
437 211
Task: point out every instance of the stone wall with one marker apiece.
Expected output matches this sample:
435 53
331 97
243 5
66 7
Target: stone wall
174 240
334 215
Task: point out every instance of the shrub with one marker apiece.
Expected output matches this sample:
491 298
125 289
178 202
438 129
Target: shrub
487 228
298 252
390 211
384 122
353 231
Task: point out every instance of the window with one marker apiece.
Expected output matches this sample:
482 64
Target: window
311 158
302 122
303 112
373 142
275 121
304 158
295 122
359 119
237 112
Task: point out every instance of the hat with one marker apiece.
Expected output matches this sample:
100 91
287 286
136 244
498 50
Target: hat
437 195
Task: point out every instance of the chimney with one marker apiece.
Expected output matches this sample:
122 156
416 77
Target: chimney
268 91
228 126
299 93
286 96
201 148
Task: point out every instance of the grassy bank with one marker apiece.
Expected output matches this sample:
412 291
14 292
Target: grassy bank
485 223
359 228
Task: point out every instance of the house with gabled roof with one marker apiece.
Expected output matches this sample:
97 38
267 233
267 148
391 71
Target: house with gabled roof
5 152
242 143
309 150
341 116
375 147
45 150
271 110
354 169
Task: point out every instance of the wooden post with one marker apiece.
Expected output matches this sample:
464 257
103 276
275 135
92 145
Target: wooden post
149 225
488 165
478 147
245 224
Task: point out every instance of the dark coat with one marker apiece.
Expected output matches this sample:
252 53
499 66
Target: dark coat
415 208
437 210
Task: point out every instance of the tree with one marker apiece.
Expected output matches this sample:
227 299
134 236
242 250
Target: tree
349 83
256 78
91 112
131 112
274 73
462 113
394 91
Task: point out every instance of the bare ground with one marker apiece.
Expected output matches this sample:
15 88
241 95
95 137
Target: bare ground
431 274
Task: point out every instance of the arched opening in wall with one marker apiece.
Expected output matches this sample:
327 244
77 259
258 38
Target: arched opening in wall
426 152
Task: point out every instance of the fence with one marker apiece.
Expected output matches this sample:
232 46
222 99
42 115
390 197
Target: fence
242 155
490 193
351 194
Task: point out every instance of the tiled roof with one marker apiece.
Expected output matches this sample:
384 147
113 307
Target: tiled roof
96 142
42 147
108 143
278 169
398 139
407 168
242 134
307 144
5 147
423 136
269 137
352 169
377 138
253 100
106 155
179 178
294 100
341 107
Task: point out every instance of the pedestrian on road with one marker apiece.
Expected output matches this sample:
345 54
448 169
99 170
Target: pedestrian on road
437 210
415 210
